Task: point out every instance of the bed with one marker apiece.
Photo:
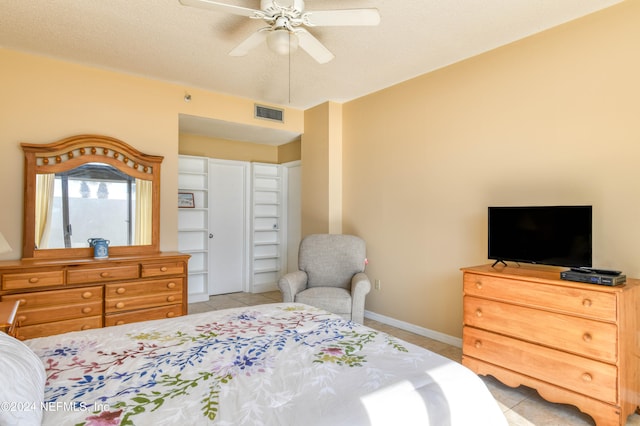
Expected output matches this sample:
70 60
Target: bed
275 364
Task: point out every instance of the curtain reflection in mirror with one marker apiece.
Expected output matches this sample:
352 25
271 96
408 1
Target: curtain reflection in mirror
44 207
144 208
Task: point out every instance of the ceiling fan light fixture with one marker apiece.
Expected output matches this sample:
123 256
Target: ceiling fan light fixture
282 41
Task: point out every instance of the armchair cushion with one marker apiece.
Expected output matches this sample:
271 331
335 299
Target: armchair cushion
332 299
331 260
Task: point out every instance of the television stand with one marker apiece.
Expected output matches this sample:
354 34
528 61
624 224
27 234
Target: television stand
574 343
499 261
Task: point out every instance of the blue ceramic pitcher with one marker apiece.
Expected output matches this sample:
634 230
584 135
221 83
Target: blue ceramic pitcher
100 247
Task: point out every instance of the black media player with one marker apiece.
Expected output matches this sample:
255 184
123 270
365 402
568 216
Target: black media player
593 278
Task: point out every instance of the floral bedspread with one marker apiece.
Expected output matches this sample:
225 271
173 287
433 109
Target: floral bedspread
276 364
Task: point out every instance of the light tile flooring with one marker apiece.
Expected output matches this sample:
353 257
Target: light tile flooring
522 406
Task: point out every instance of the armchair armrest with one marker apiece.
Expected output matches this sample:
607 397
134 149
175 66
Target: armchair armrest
291 284
360 286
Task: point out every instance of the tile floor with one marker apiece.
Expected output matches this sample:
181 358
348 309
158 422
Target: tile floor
522 406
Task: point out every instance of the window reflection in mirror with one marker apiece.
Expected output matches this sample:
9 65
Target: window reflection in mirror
89 201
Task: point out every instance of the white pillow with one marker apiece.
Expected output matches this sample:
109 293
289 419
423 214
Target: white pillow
23 377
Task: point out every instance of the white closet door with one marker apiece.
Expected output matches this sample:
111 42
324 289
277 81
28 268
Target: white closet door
228 192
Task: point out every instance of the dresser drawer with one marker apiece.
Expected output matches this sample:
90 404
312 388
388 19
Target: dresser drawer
56 297
32 279
165 268
97 275
593 304
48 329
58 312
591 378
582 336
169 311
141 302
122 290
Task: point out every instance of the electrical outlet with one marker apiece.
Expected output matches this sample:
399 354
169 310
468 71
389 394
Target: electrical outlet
376 284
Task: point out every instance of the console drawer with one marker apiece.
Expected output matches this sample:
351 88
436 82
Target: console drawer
48 329
96 275
32 279
58 312
56 297
168 311
141 302
165 268
571 300
133 289
589 377
582 336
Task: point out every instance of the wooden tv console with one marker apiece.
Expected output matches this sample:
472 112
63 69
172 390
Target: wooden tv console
574 343
60 295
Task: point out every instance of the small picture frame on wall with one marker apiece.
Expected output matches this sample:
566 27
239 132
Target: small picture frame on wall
185 200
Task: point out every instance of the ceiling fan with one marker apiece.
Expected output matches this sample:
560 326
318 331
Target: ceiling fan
285 18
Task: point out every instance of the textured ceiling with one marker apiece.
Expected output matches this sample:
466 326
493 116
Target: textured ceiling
164 40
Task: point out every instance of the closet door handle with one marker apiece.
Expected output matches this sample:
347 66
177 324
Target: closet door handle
210 235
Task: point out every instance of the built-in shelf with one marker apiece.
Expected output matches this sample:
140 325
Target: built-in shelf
267 233
193 223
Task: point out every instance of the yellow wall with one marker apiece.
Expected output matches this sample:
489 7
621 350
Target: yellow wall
321 198
44 100
204 146
226 150
552 119
291 151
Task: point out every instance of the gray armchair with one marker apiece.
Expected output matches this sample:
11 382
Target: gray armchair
330 276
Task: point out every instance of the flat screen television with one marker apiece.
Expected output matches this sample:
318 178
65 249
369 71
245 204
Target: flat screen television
547 235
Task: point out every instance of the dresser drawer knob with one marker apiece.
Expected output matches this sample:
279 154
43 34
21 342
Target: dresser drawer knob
85 327
22 302
478 285
587 377
121 290
34 280
171 314
87 295
478 344
120 305
119 322
22 318
171 298
171 285
86 310
164 269
478 312
104 274
587 337
586 303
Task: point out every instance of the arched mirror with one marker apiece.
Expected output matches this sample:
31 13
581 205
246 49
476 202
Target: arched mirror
90 186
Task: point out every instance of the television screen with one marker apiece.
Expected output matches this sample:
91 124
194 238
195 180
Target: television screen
548 235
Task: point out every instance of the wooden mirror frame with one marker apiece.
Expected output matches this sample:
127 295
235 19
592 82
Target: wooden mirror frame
72 152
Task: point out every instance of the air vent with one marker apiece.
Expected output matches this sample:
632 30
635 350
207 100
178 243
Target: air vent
267 113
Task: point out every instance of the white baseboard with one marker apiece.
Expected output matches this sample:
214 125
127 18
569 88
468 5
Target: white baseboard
425 332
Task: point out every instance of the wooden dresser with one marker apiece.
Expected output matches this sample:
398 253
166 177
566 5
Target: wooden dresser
60 295
574 343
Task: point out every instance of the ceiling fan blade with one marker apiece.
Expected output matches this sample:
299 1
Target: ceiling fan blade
313 47
223 7
253 41
338 18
